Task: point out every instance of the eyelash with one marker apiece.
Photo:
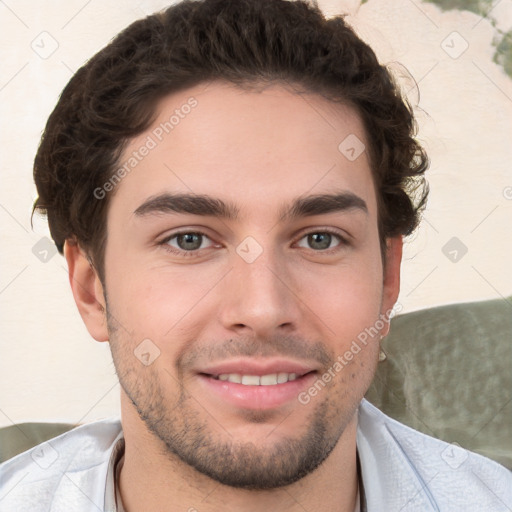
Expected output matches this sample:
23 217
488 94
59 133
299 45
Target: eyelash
343 242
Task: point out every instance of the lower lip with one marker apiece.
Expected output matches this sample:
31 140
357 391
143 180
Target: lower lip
257 397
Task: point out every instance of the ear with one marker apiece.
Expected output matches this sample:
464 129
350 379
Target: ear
87 291
391 279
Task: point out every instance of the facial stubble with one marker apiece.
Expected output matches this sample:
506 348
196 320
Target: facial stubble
188 431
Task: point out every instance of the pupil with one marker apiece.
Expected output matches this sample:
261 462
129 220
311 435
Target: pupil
189 241
320 240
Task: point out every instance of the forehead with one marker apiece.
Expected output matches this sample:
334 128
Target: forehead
254 147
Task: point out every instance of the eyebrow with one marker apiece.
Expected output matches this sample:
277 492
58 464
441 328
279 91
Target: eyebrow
204 205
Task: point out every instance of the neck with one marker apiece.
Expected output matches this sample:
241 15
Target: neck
153 479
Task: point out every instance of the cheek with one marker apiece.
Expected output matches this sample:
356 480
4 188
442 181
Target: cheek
347 299
352 335
159 301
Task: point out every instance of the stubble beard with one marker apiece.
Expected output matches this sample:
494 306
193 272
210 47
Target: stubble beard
189 432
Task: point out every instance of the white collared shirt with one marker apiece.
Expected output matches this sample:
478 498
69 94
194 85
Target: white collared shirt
402 470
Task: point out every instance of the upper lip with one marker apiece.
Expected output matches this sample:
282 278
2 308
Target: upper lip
245 366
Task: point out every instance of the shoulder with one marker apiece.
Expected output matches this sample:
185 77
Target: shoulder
413 466
78 458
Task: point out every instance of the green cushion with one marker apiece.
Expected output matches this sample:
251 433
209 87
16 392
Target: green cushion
448 373
23 436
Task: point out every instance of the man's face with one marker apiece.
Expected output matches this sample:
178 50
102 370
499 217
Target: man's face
243 313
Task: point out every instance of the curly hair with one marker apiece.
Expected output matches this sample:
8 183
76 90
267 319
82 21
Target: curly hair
113 98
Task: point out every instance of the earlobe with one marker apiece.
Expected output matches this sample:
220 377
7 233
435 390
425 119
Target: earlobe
87 291
391 284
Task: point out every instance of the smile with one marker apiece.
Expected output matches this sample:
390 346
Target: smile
256 380
245 390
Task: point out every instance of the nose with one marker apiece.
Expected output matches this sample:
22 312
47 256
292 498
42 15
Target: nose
259 297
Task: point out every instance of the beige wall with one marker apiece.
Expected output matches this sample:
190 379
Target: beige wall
52 370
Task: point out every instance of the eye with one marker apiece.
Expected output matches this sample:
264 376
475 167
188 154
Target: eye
187 242
321 240
190 243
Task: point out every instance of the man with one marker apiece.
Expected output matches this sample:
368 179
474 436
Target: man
230 182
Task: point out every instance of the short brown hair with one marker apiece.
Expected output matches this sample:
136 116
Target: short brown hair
112 98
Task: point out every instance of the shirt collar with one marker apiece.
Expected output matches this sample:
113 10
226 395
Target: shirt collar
112 500
361 494
392 481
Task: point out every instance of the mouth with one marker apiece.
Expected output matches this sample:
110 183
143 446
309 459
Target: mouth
256 385
270 379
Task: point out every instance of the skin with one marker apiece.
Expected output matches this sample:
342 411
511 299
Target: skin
296 302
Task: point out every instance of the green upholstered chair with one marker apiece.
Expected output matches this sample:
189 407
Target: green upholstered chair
15 439
448 373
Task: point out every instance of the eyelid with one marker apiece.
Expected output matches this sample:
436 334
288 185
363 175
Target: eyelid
343 236
343 239
164 242
199 230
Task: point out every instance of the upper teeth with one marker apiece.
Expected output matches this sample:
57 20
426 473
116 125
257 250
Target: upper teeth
256 380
